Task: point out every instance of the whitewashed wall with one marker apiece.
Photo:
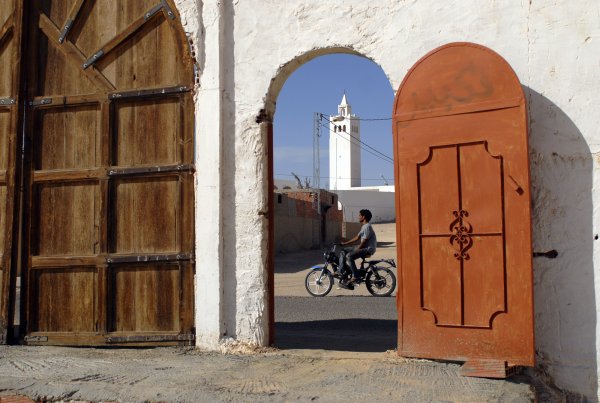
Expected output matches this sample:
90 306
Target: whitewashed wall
247 48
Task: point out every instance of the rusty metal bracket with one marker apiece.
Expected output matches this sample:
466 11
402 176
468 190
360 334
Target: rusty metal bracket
40 102
36 339
167 9
93 59
178 257
150 338
151 170
65 31
162 6
7 101
148 92
153 11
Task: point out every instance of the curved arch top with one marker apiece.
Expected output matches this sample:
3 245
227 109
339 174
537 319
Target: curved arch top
457 78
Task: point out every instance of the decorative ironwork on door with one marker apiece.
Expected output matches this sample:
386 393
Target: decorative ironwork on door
463 245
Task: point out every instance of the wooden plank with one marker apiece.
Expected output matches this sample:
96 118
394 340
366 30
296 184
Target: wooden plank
70 50
65 175
65 261
7 28
3 178
75 8
101 307
103 158
481 368
186 152
181 43
64 339
90 340
186 311
122 36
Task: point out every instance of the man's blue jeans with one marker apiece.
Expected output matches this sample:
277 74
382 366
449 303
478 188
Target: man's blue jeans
352 256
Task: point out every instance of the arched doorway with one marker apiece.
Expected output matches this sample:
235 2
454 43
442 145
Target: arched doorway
312 80
107 238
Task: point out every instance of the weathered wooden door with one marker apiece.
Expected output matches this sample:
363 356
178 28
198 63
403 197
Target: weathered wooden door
109 175
11 13
463 203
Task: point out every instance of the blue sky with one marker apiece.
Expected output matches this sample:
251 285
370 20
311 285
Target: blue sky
318 86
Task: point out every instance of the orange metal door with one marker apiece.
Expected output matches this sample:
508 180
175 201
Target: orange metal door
463 208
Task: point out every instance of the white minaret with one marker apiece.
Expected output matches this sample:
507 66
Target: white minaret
344 148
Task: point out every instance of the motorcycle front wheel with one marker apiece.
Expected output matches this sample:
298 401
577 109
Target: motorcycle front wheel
318 282
381 282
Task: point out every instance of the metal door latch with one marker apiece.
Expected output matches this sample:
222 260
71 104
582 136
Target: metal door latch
551 254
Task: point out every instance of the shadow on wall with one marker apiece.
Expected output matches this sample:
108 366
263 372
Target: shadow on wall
565 303
229 165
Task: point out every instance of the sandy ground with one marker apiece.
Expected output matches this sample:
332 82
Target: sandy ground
189 375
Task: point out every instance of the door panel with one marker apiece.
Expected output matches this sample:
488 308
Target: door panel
460 138
109 195
136 310
146 224
148 132
73 289
68 138
66 219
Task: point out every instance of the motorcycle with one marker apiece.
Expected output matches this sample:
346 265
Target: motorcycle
375 274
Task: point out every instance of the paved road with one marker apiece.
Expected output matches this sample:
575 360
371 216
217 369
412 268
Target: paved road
351 323
343 320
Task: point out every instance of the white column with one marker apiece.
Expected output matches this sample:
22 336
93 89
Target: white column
208 184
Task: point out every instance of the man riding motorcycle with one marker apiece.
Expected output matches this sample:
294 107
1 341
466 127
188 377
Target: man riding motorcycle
366 248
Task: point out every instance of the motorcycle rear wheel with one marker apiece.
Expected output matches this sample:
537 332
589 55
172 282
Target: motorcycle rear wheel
318 282
382 285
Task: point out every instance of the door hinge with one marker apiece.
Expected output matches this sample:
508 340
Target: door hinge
36 339
7 101
39 102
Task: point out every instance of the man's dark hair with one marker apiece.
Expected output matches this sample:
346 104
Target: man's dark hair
367 214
